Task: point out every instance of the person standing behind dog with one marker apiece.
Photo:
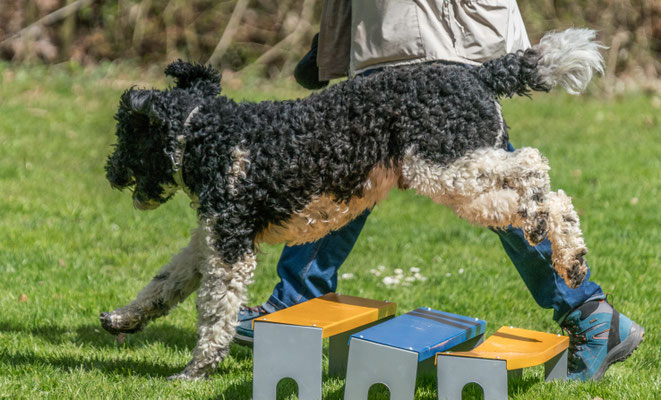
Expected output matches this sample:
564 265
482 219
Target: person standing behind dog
359 38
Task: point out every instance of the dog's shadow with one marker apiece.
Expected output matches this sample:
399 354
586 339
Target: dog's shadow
92 336
125 367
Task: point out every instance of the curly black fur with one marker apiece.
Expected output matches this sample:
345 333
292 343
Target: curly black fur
325 144
190 75
512 74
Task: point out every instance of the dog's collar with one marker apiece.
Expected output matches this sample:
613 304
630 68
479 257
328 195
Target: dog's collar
177 159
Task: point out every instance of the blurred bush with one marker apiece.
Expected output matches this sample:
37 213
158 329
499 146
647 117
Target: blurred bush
630 28
275 33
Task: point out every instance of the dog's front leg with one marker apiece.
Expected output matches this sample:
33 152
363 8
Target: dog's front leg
170 286
219 298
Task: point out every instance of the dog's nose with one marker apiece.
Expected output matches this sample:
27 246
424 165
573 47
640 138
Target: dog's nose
145 205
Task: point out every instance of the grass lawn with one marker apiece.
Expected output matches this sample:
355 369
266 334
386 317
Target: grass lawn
70 247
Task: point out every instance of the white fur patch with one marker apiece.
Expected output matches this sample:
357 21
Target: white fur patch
569 58
495 188
484 187
500 135
238 169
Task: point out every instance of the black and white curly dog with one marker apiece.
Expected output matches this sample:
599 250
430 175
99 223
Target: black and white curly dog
294 170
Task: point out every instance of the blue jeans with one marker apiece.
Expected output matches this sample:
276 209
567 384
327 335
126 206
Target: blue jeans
309 270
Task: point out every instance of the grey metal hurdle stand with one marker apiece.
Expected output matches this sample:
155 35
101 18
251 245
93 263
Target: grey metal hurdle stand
288 343
395 352
503 355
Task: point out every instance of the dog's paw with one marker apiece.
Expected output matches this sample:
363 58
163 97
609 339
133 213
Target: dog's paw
538 229
116 324
184 377
578 270
534 223
574 274
188 374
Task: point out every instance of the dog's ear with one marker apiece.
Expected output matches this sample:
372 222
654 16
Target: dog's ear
138 101
187 75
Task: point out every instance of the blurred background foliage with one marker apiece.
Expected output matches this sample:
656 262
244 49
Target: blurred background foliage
273 35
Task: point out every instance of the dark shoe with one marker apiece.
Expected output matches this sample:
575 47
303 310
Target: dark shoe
598 337
244 333
307 70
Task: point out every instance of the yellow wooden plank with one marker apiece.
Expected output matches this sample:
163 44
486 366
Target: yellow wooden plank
333 313
385 308
521 348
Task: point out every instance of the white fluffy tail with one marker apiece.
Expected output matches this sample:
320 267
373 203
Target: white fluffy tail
569 58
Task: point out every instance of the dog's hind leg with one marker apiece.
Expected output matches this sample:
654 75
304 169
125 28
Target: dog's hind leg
225 276
567 244
495 188
170 286
488 187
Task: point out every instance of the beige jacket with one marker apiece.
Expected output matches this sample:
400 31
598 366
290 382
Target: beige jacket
357 35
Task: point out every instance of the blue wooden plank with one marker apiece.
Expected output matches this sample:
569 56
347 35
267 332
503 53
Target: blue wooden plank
425 331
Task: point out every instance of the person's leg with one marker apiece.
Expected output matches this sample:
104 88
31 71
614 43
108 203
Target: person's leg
595 342
306 271
310 270
545 285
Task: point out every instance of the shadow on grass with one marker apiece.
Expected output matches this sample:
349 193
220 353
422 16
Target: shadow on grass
111 365
125 367
104 358
521 385
92 334
108 366
425 389
239 360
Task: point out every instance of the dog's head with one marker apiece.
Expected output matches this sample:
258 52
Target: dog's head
148 123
